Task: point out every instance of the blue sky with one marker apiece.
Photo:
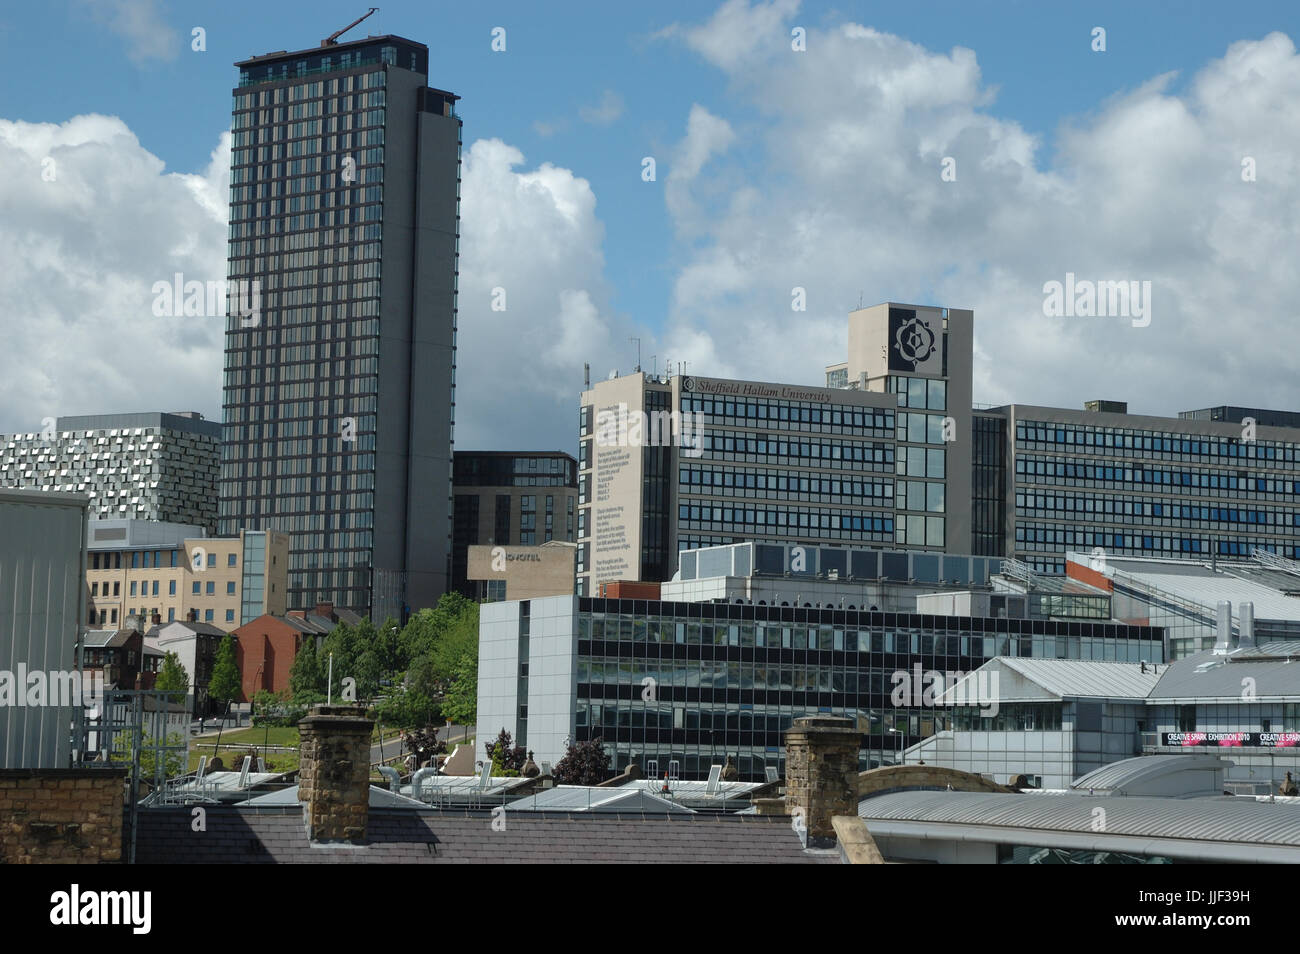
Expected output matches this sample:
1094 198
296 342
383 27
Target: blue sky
650 65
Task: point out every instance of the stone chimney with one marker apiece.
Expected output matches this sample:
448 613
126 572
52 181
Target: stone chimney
821 773
334 776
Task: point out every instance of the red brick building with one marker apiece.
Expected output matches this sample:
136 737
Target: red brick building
266 647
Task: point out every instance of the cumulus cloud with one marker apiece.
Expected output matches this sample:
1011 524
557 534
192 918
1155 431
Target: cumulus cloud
140 24
532 236
93 220
840 191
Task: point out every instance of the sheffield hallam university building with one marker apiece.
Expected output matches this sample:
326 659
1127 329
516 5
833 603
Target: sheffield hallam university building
339 395
890 452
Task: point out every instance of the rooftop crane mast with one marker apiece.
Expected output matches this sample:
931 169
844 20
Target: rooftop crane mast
333 38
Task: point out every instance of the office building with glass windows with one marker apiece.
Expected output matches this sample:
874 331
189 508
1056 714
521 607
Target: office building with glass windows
697 682
339 383
510 499
167 572
879 457
1060 719
1213 484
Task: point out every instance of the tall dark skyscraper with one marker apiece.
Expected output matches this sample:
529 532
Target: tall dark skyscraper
340 355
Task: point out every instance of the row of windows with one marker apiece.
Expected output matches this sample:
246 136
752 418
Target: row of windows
247 471
357 373
921 462
1033 469
304 106
1048 538
309 258
300 327
311 146
699 479
921 428
150 559
1155 509
356 237
331 198
1030 434
848 455
791 415
316 89
801 521
921 393
304 177
359 391
300 127
351 215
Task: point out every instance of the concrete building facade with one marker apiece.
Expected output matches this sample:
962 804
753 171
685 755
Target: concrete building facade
521 573
881 456
167 572
1136 485
510 499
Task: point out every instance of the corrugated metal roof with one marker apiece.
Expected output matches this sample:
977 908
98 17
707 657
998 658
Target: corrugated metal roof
582 798
1187 679
379 798
1207 585
1228 820
1130 774
1061 678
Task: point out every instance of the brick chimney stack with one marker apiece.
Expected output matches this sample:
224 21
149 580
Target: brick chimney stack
821 773
334 776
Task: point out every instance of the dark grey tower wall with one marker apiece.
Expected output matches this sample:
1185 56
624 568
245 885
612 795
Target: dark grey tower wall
433 351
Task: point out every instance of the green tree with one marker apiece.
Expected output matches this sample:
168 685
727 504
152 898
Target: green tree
306 677
225 685
460 704
172 677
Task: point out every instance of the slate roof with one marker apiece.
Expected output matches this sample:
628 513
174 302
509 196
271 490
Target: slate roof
240 835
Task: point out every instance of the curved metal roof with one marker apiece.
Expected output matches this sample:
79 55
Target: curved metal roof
1225 820
1133 776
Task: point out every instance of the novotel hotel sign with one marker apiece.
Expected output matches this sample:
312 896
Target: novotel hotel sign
1257 740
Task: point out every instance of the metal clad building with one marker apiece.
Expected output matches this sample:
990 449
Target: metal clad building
42 552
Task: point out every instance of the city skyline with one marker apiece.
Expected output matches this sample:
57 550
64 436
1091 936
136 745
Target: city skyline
1034 127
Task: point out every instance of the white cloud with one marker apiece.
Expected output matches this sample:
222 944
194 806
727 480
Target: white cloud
140 24
838 190
535 234
609 109
82 253
738 31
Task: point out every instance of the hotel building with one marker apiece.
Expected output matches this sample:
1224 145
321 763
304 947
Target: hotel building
510 499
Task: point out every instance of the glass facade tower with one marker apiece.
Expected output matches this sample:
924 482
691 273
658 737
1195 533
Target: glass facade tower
340 357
